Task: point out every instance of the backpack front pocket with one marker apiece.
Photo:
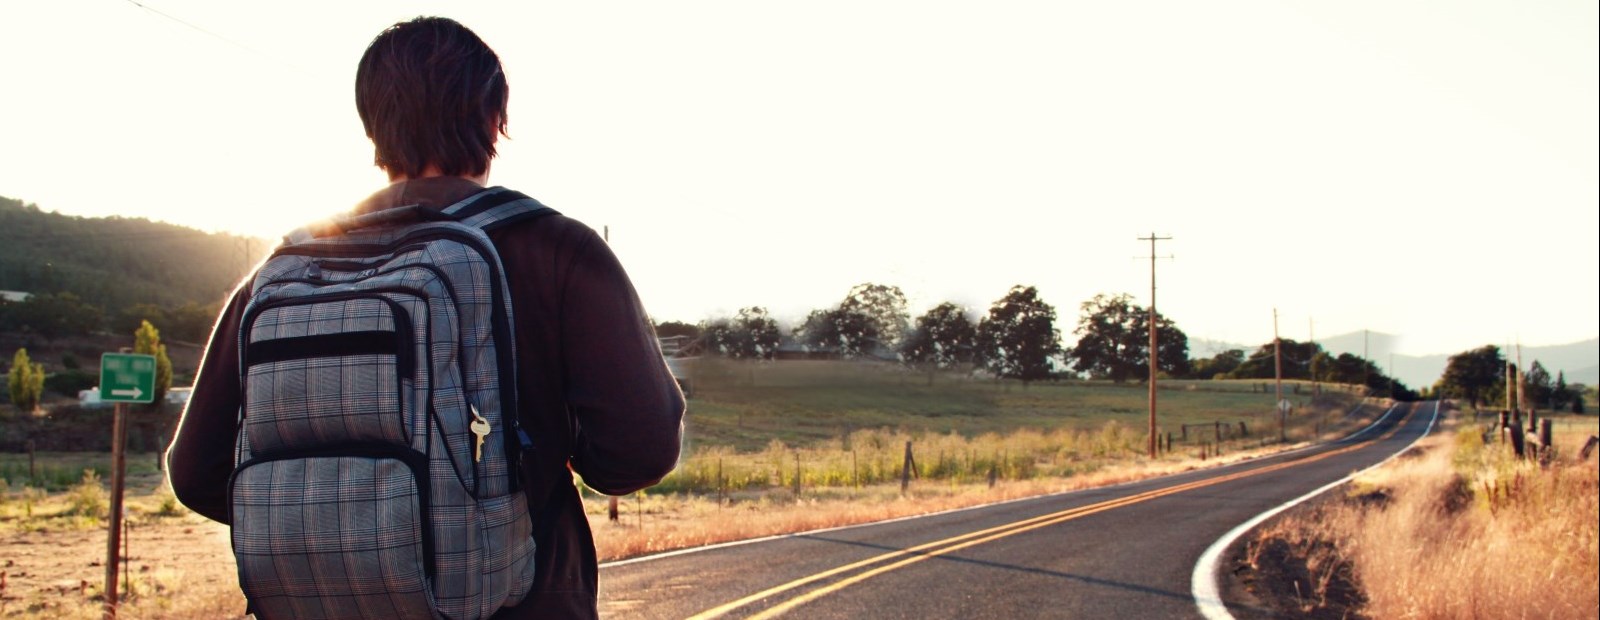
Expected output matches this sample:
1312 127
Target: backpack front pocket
333 536
327 373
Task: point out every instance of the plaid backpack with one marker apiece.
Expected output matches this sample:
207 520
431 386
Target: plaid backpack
378 448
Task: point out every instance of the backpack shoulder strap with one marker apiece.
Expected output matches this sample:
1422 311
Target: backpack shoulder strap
495 207
491 208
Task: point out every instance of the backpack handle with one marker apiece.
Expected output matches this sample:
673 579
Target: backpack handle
387 217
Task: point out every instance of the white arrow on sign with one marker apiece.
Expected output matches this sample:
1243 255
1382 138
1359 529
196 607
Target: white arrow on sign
133 393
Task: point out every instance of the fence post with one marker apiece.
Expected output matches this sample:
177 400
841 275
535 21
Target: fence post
1517 441
1243 431
1546 434
797 474
611 511
994 473
1186 433
1216 429
1588 448
907 469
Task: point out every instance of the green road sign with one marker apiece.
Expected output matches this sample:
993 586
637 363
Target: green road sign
127 378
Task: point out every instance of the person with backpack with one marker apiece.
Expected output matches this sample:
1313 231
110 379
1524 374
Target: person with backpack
391 408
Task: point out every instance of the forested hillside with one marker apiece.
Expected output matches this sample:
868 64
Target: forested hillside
92 273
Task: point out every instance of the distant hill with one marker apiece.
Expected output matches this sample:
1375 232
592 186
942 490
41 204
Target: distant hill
1578 359
116 262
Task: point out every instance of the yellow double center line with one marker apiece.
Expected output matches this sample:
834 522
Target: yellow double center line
956 543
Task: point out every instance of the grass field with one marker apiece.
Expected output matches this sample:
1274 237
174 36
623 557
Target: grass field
833 424
744 406
770 448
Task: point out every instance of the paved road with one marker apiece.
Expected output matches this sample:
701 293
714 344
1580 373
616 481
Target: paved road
1126 551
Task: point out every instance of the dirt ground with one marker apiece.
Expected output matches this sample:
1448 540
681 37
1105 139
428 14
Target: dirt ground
174 567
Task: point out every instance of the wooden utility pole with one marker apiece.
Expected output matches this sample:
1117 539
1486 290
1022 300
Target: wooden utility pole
1153 350
1277 377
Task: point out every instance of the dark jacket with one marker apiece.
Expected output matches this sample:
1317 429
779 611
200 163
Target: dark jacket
595 393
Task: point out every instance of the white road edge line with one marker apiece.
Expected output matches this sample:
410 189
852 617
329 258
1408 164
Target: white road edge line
750 541
1203 582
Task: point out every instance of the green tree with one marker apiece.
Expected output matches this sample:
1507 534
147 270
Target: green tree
848 332
1216 366
871 319
1473 375
1536 386
192 322
943 338
753 334
677 328
26 381
1322 365
55 315
884 308
148 341
1018 337
1561 394
1114 340
1296 355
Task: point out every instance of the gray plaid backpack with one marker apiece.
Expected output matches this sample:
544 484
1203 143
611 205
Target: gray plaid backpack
377 456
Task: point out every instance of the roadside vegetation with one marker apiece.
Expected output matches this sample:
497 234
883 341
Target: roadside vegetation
791 446
1460 528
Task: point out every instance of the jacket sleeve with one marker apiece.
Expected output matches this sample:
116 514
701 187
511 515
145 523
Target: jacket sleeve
627 406
201 458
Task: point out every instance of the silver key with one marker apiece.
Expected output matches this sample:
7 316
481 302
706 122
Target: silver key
479 427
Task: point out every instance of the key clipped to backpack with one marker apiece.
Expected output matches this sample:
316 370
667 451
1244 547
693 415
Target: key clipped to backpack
378 455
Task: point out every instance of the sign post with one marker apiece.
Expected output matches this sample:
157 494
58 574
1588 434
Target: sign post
124 378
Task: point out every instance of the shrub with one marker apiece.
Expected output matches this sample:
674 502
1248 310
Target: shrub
88 498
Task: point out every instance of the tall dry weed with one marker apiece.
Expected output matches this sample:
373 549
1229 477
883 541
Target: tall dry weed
1468 531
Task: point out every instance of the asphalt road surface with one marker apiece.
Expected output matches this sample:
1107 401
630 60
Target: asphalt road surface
1125 551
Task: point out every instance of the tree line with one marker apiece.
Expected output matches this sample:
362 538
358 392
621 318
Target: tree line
1017 338
1480 376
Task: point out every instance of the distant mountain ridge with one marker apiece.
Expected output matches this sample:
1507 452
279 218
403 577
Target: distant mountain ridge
114 261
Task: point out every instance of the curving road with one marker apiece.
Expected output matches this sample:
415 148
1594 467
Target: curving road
1123 551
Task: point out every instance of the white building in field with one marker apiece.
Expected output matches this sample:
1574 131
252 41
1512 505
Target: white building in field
14 296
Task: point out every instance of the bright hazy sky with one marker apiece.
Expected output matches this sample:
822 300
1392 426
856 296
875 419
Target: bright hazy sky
1426 169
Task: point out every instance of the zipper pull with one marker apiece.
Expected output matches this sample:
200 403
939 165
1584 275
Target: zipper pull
479 427
314 271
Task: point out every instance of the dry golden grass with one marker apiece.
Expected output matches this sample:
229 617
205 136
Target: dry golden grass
1464 530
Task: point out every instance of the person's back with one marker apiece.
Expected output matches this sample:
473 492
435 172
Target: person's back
593 389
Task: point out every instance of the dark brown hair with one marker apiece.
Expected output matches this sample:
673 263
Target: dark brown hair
430 92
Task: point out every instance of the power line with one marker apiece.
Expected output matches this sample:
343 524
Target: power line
216 36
